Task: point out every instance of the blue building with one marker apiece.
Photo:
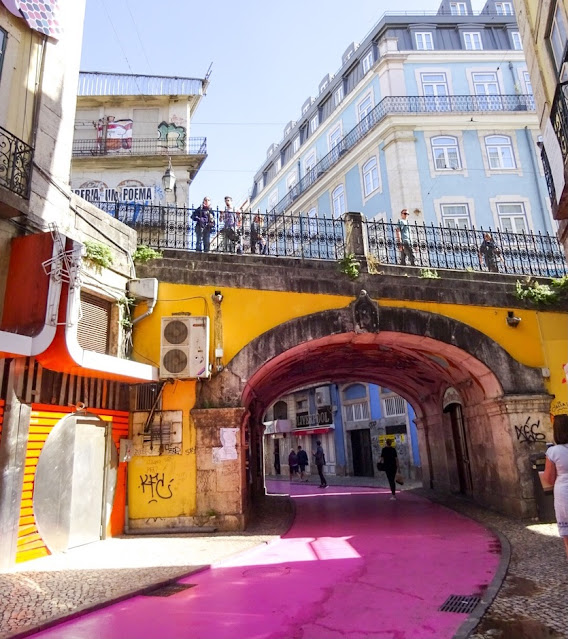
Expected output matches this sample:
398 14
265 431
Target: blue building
432 112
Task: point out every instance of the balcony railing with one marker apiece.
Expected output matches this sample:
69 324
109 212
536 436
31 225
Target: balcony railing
324 238
15 163
139 146
412 104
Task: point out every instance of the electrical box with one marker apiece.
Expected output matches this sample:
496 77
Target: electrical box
146 288
322 396
184 347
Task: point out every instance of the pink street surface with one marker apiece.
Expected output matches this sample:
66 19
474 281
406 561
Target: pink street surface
353 565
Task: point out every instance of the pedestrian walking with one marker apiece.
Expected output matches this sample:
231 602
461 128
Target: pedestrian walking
320 463
389 458
302 462
489 253
556 474
404 238
204 224
293 463
277 462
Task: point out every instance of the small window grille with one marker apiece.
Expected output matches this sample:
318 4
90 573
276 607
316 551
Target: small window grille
394 406
145 397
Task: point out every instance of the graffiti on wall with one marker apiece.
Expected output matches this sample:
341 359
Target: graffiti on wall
114 135
529 433
154 487
171 133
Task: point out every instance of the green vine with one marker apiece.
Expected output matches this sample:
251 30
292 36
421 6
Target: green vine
145 253
542 294
429 274
125 305
98 254
350 266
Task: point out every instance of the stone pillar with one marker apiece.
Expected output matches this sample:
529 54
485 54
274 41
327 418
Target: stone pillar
221 467
13 447
356 242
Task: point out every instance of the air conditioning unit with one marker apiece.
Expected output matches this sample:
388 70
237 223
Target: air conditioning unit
322 396
184 347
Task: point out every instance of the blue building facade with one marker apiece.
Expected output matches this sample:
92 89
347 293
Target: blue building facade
431 112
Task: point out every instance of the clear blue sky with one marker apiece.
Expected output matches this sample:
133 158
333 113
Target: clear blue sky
266 57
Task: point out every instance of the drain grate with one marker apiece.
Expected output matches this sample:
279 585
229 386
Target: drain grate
460 603
168 590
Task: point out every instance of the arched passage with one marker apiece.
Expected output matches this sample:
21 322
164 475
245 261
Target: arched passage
418 355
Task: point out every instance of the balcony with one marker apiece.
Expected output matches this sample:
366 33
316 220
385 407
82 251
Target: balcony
120 147
15 164
407 105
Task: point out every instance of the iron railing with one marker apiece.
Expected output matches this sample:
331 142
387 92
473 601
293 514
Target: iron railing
412 104
139 146
548 175
324 238
436 247
15 163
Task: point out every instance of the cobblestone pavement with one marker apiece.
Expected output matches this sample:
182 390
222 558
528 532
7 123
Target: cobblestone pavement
531 604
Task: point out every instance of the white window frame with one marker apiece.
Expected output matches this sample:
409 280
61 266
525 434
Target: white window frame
338 95
454 219
472 41
314 123
393 406
367 62
335 136
435 89
370 174
310 161
324 86
558 35
363 112
498 142
424 40
272 200
296 144
511 222
458 8
504 8
338 201
436 144
516 41
278 165
527 82
291 180
357 411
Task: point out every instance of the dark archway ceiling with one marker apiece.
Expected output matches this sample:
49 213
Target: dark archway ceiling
416 367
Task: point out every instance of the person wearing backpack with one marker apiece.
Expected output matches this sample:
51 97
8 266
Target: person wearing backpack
320 463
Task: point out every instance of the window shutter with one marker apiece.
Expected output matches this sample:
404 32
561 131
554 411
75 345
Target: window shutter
93 330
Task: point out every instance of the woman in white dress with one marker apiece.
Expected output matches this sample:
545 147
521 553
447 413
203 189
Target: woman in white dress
556 473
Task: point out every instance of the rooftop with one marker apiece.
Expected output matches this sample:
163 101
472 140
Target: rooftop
95 83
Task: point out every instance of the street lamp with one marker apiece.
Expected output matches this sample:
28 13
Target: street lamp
169 179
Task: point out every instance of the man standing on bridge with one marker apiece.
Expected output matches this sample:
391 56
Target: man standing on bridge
404 238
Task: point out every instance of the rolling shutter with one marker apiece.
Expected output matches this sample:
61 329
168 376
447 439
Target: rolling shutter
93 330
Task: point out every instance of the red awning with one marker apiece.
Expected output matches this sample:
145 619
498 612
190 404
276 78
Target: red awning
310 431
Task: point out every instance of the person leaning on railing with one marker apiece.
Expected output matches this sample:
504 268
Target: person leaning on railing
204 224
489 253
256 236
404 238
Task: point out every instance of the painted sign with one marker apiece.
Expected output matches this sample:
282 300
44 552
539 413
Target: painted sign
122 194
323 417
396 439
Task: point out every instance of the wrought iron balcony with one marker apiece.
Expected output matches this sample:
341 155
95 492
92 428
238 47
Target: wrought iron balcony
324 238
15 163
411 105
139 146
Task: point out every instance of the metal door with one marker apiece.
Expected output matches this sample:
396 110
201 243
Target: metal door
87 483
461 448
362 453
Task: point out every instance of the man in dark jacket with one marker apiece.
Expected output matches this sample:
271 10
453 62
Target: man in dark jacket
204 223
320 463
302 462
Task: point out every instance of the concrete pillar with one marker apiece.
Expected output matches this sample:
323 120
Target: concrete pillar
356 242
13 447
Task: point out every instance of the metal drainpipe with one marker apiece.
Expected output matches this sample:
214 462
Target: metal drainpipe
543 211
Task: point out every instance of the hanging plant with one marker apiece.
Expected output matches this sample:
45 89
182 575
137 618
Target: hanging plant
98 254
350 266
145 253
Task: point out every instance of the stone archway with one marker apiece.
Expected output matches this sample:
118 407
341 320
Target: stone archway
419 355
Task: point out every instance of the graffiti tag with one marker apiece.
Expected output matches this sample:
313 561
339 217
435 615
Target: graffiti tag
157 489
529 433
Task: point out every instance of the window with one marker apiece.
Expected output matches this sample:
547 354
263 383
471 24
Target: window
516 40
306 108
435 90
455 216
93 329
458 8
334 137
528 83
357 412
278 165
310 162
393 406
512 218
370 176
314 123
3 40
338 201
485 86
145 123
280 410
500 152
446 153
367 62
338 95
504 8
472 40
365 107
296 144
424 41
558 35
323 86
291 181
272 200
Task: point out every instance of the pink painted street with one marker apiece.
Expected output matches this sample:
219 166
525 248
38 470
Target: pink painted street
353 564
